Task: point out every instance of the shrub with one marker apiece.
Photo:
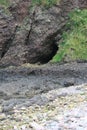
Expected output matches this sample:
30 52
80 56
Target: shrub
74 45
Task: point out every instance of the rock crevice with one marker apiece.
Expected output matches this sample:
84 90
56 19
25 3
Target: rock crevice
8 43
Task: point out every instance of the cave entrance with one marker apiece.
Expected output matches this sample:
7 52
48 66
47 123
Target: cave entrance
42 53
50 53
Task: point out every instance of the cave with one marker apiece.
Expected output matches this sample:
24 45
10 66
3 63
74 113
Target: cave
41 54
46 58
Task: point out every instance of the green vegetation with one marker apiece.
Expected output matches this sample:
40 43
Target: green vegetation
46 3
5 3
74 45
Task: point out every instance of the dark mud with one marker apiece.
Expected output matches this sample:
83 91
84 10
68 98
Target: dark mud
24 85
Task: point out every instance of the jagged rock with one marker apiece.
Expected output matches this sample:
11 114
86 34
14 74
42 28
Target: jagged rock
17 50
6 32
20 9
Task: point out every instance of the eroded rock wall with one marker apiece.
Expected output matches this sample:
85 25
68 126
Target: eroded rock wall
7 27
32 34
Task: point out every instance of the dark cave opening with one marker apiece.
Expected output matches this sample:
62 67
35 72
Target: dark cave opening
53 48
42 54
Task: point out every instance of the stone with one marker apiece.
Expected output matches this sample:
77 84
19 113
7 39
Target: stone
2 116
68 83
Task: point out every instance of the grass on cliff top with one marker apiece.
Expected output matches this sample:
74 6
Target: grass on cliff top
4 3
46 3
74 45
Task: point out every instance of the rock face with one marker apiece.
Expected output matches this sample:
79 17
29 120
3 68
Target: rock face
6 32
33 34
20 9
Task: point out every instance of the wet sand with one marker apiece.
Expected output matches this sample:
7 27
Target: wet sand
19 85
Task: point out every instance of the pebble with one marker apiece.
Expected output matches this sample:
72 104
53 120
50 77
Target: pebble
52 125
70 120
2 116
53 116
15 128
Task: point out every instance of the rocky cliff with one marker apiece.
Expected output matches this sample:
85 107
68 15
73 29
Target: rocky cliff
31 34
